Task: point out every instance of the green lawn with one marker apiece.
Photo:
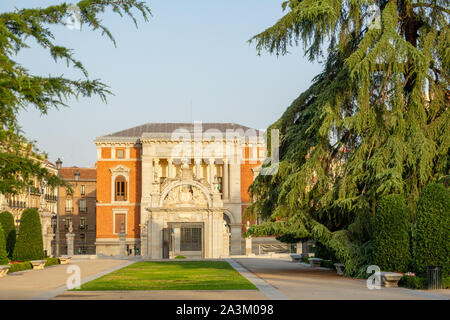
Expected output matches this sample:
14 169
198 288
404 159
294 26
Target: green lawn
172 275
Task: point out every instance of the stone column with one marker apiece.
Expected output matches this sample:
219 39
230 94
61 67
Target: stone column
144 240
156 176
147 176
299 247
70 237
122 241
225 180
169 168
211 173
198 168
248 246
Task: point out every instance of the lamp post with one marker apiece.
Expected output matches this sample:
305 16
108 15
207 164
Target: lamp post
58 167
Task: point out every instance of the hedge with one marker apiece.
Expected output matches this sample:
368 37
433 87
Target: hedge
20 266
9 229
51 261
431 235
3 254
391 250
29 245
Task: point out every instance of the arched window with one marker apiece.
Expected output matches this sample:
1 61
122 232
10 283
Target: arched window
120 189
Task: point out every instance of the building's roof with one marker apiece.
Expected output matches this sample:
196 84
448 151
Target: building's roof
85 173
170 127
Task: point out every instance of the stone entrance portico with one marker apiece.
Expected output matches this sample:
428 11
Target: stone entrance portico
185 202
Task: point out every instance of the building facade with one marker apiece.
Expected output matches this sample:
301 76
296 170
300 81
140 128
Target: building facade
175 189
41 197
77 207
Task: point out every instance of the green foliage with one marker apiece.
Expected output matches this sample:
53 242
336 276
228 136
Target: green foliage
431 236
413 282
22 266
373 123
180 257
29 245
20 89
327 264
9 229
51 261
305 259
391 247
3 253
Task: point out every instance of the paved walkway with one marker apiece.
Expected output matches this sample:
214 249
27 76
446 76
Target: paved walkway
275 279
40 284
300 282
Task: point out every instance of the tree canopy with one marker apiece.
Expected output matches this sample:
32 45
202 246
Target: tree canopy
373 123
20 90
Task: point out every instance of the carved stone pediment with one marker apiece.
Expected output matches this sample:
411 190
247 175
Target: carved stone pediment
120 169
185 195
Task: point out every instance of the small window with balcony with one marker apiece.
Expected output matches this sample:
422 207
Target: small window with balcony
120 189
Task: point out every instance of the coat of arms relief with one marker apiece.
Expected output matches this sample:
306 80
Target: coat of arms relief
186 194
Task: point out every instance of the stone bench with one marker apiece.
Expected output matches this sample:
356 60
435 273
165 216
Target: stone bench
390 279
339 268
315 262
4 270
296 257
64 260
38 264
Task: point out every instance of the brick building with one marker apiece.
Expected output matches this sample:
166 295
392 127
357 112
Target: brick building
175 188
78 207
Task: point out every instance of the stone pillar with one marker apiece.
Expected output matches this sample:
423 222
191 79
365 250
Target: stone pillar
156 176
70 237
147 176
169 168
299 247
144 240
248 246
122 241
177 242
225 180
198 168
211 173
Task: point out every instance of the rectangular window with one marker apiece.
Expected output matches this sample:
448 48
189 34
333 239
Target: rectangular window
120 220
83 205
83 190
120 153
82 222
69 205
121 190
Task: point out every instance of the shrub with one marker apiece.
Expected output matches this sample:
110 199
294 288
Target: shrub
3 253
431 236
391 246
29 245
412 282
20 266
51 261
305 259
327 264
9 229
180 257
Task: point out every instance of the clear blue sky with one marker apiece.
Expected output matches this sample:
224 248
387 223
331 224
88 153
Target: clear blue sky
189 51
